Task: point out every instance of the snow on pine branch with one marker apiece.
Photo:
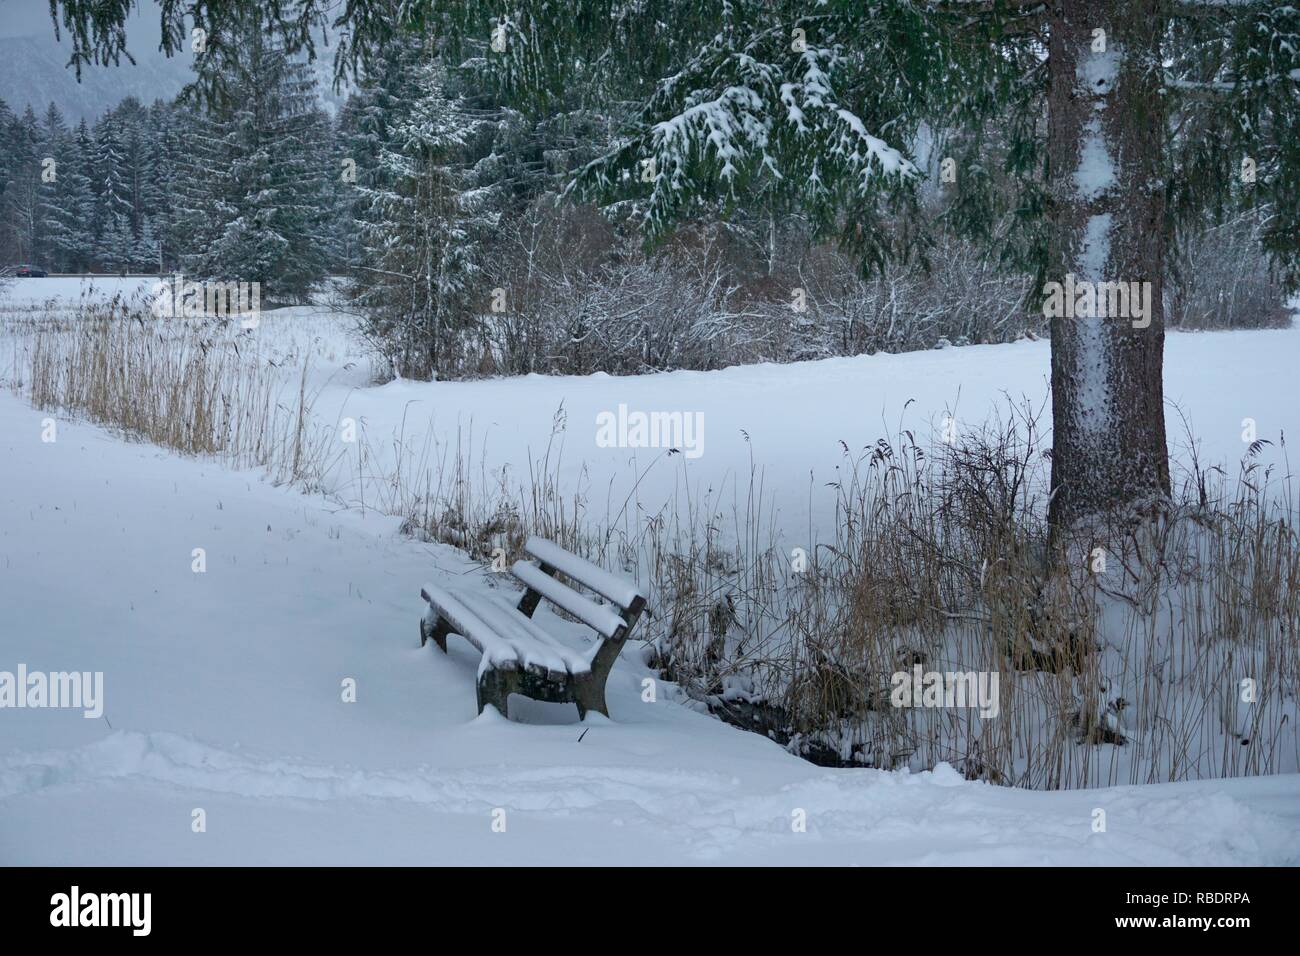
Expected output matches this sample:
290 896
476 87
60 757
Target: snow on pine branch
732 120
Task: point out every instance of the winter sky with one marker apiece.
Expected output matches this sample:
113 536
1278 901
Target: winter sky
33 64
32 18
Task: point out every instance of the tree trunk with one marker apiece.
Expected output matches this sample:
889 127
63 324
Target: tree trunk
1106 184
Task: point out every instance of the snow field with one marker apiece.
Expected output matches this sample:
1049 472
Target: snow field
223 693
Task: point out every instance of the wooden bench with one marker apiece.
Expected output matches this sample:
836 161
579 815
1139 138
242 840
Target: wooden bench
521 658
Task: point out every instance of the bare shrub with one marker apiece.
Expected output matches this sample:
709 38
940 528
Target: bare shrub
1221 280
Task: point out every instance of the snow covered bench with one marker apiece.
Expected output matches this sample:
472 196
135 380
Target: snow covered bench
521 658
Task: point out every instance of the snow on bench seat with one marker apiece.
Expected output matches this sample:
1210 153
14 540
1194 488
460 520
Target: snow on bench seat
503 634
593 576
521 658
601 617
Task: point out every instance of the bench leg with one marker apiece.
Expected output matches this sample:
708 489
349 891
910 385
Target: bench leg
494 688
438 635
590 695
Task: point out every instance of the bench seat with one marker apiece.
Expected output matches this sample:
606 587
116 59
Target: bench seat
504 635
518 656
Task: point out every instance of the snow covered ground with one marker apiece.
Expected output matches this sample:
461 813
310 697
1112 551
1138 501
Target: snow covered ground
224 690
786 421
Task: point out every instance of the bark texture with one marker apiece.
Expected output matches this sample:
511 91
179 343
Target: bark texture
1106 183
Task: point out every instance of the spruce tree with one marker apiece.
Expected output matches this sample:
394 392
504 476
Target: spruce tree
111 222
7 232
22 192
71 205
256 199
53 150
421 230
157 188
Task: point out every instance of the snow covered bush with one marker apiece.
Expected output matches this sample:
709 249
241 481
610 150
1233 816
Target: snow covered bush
582 298
577 293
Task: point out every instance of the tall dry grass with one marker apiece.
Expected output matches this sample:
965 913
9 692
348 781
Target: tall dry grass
197 386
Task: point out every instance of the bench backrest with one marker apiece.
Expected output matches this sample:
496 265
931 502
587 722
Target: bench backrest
624 596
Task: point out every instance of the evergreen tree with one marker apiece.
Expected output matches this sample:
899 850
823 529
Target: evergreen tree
381 101
116 244
423 224
111 221
158 189
133 120
145 250
22 192
70 207
439 162
257 198
7 233
53 150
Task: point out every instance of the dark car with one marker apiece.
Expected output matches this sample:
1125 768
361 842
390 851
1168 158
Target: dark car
30 272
